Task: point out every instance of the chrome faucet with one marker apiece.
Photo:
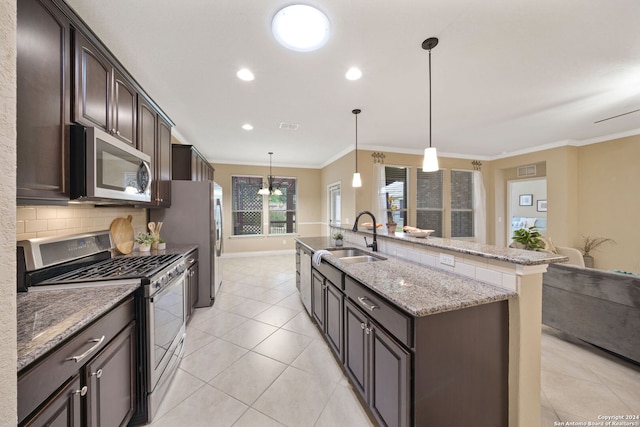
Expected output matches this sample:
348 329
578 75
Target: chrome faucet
373 245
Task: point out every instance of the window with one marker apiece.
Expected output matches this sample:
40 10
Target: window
395 189
249 208
462 204
430 201
247 205
282 208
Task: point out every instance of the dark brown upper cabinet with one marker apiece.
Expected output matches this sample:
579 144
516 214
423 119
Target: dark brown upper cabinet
43 102
103 96
188 164
154 139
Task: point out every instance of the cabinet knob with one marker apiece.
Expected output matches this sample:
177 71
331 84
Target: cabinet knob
113 130
368 330
362 325
82 392
118 132
97 374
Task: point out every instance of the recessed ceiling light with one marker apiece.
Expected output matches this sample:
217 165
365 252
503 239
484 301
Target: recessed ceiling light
247 126
353 73
301 28
245 74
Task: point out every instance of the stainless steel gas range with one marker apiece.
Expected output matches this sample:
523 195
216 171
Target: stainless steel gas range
86 260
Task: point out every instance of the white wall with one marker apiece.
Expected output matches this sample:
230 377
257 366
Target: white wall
8 380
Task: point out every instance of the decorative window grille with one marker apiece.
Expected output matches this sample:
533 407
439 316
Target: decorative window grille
462 204
247 205
430 201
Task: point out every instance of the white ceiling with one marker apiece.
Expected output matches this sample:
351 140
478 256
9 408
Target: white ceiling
508 75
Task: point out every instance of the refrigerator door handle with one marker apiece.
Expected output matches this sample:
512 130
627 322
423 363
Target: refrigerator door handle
219 229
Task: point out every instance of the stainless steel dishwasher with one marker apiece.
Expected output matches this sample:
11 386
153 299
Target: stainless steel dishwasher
305 279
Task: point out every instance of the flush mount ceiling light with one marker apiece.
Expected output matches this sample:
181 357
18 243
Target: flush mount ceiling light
247 126
430 162
268 187
245 74
301 28
353 74
357 180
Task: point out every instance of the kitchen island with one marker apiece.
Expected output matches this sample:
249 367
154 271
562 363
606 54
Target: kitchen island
470 354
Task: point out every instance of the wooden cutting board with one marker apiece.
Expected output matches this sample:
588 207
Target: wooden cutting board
122 234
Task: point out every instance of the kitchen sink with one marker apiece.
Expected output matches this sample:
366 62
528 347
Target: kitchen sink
353 255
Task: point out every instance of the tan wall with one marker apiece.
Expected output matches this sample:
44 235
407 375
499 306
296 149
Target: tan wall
340 171
8 357
309 211
609 201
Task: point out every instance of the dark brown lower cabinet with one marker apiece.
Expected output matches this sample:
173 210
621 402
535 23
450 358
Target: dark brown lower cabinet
326 308
111 379
90 380
379 367
63 409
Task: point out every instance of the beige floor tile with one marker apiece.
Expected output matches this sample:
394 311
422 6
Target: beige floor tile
317 359
302 324
225 301
253 418
579 397
283 345
204 408
212 359
305 396
276 315
182 386
196 339
249 334
344 409
204 314
272 296
250 308
221 324
630 397
292 301
248 377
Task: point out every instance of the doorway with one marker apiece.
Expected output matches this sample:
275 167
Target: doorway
526 205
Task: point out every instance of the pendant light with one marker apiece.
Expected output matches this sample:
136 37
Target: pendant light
430 162
267 188
357 181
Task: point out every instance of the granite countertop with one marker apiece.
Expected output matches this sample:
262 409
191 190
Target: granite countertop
514 256
418 290
47 318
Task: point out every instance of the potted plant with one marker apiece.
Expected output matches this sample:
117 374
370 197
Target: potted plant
144 241
162 244
338 238
527 238
589 244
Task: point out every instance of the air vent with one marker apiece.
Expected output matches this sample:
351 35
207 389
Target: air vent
289 126
527 171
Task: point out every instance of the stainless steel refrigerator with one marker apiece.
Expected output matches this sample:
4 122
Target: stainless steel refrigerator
195 216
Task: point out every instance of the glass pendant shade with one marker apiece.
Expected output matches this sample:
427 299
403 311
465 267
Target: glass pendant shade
357 181
430 162
263 191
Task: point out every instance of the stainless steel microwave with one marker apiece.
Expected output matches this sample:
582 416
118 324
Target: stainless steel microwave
105 169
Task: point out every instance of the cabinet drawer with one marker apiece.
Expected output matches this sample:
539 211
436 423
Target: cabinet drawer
389 317
330 272
38 382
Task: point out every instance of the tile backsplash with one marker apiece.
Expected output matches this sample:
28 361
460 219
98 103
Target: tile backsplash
48 221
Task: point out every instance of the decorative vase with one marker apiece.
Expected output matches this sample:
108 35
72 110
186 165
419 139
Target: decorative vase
162 246
338 242
588 261
391 227
144 247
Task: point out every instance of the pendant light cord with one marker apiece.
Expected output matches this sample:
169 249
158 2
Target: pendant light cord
356 142
429 98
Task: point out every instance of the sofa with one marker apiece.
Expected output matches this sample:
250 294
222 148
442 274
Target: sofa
596 306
